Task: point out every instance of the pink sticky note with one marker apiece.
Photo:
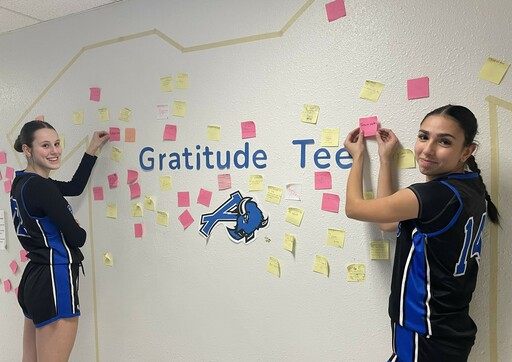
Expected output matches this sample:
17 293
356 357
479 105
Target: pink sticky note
95 94
170 132
14 266
248 129
132 176
134 190
39 118
330 202
186 219
23 255
418 88
335 10
323 180
183 199
112 180
9 172
0 175
3 157
138 230
204 197
16 291
115 134
7 285
7 186
224 181
97 191
369 126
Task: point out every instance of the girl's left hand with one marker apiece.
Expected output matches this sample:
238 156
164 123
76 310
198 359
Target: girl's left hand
354 143
98 139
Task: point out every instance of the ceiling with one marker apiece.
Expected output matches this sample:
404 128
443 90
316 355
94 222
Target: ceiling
17 14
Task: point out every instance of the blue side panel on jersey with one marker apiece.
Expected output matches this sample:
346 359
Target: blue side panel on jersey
55 242
404 344
416 288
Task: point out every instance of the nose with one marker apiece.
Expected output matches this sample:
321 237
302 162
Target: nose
429 147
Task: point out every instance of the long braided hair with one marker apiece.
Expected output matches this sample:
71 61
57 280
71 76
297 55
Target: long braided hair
469 124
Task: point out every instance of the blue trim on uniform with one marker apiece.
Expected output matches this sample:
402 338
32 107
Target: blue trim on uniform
455 217
404 344
415 313
42 324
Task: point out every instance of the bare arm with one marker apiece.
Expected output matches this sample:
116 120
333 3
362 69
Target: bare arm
387 142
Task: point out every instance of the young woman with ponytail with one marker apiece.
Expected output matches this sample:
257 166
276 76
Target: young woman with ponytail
439 226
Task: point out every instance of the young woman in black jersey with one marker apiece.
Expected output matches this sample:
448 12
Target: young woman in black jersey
439 226
47 230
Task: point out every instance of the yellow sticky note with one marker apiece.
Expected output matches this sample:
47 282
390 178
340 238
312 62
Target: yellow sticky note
494 70
289 242
116 154
321 265
213 133
149 203
330 137
356 272
371 90
62 140
108 259
310 113
137 210
336 237
405 158
166 84
274 195
182 80
294 215
104 114
379 250
179 108
112 211
273 267
368 195
255 182
78 117
162 218
125 114
165 183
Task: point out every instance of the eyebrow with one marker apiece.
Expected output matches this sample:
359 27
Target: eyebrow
439 135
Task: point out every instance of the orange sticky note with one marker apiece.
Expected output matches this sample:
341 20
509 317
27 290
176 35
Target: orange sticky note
129 135
330 202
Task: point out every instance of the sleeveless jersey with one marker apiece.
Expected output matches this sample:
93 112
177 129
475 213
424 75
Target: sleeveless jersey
43 219
437 257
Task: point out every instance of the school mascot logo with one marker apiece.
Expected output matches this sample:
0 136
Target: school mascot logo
243 212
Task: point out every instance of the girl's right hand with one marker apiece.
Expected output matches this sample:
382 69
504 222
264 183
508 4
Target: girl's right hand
354 143
387 141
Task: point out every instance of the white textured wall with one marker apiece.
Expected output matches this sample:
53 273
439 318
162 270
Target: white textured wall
171 296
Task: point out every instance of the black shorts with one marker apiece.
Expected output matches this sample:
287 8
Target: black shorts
409 346
49 292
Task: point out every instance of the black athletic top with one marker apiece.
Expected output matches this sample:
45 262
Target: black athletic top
437 257
44 220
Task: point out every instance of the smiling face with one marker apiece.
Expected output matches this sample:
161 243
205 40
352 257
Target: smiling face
440 147
45 153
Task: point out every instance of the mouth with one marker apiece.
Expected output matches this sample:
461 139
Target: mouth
53 159
426 161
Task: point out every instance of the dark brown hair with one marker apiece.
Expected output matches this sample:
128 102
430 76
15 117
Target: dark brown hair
26 136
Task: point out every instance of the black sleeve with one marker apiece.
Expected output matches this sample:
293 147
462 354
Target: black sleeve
436 201
77 184
43 198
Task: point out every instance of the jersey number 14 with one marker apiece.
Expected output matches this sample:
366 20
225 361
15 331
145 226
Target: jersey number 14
474 243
